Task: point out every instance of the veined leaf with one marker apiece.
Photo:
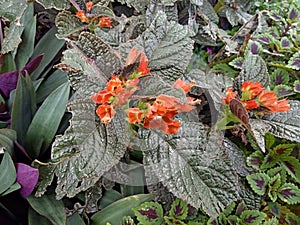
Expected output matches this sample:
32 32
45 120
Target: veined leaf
258 182
167 45
237 63
179 209
252 217
87 149
292 166
285 124
294 62
283 90
274 185
254 69
190 165
289 193
57 4
255 160
149 213
297 86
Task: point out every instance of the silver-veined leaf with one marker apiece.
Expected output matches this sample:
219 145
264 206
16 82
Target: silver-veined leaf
192 166
57 4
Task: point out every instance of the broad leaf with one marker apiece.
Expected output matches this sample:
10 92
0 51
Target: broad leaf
289 193
285 124
258 130
258 182
237 63
252 217
167 45
254 69
292 166
190 165
87 149
149 213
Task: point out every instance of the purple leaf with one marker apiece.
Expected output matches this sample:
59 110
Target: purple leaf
265 39
27 177
254 48
293 14
32 65
150 213
8 82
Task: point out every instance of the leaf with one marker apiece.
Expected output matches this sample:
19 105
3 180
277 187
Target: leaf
285 43
75 219
8 173
292 166
294 62
273 185
109 197
49 207
12 9
275 209
139 5
237 63
239 110
149 213
292 219
7 139
27 176
87 149
297 86
224 69
45 122
258 182
117 210
68 25
279 76
255 160
24 107
289 193
49 46
252 217
57 4
258 131
12 37
285 124
283 91
35 218
293 14
272 221
179 209
167 46
189 162
254 69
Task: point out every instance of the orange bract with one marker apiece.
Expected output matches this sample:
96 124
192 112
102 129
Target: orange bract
251 104
114 85
230 94
102 97
184 86
106 113
105 22
251 90
80 14
89 6
268 99
135 115
143 65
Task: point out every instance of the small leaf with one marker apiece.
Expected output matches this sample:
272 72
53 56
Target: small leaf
292 166
27 176
278 170
265 38
283 90
293 14
240 208
297 86
273 185
179 209
272 221
289 193
275 209
171 221
294 62
285 43
127 220
49 207
57 4
252 217
292 219
237 63
258 182
233 220
255 160
8 82
8 173
254 47
275 16
149 213
225 69
279 76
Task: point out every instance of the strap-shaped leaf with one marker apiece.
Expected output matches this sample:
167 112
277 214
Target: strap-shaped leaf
254 69
167 45
191 166
285 124
87 149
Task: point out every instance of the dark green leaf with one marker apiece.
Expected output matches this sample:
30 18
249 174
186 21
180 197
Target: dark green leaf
289 193
49 207
75 219
45 122
258 182
7 139
48 45
8 173
24 107
292 166
109 197
275 209
34 218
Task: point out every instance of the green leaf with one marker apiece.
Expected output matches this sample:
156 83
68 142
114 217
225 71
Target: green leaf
127 220
254 69
297 86
48 46
109 197
149 213
12 9
34 218
49 207
75 219
7 139
258 182
24 107
283 91
57 4
292 219
190 166
8 173
45 122
285 124
272 221
294 62
275 209
233 220
26 47
292 166
285 43
252 217
278 170
255 160
224 69
237 63
279 76
273 185
167 45
87 149
12 37
289 193
117 210
179 209
171 221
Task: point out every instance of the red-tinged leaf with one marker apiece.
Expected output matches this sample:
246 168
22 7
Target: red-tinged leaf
285 43
252 217
27 177
239 110
289 193
8 82
254 48
240 208
237 63
266 39
279 76
269 161
258 182
292 219
32 65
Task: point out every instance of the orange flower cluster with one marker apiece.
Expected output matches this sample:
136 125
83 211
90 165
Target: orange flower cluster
118 91
160 112
254 96
102 21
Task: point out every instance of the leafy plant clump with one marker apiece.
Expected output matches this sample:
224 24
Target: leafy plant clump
107 105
